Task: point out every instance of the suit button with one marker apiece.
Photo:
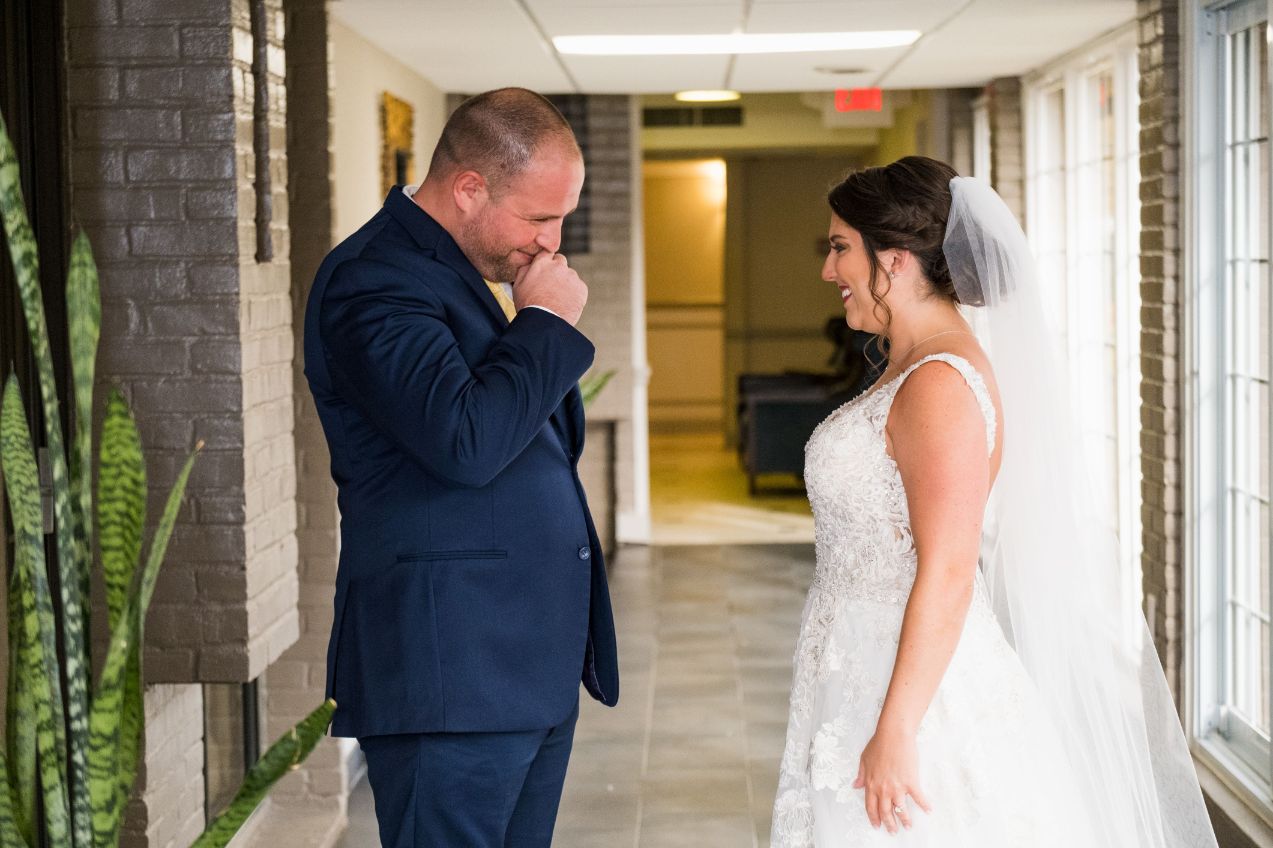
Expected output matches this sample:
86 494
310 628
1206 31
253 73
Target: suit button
585 552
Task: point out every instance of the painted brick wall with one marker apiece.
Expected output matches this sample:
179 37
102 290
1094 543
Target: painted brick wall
609 320
1160 338
198 335
194 330
265 339
1007 143
294 684
168 811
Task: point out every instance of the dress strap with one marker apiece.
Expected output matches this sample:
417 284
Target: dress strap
975 382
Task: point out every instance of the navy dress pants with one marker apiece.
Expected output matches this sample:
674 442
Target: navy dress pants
468 790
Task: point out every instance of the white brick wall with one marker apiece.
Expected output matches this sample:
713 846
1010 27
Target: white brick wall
293 685
609 319
169 813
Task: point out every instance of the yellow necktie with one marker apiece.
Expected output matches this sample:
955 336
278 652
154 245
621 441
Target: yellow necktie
505 302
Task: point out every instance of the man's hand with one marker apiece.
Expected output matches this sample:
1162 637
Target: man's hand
549 282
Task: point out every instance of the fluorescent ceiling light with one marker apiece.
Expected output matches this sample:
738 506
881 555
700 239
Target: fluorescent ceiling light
739 42
706 96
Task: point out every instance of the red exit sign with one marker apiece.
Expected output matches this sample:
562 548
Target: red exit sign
859 100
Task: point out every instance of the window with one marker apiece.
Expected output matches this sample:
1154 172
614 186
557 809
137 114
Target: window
231 740
1083 220
1229 419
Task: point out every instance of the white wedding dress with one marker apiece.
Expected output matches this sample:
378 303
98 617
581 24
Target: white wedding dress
990 763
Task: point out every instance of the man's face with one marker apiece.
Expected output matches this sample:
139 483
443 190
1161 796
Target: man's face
523 217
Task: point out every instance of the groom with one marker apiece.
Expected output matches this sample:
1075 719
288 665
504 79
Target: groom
471 597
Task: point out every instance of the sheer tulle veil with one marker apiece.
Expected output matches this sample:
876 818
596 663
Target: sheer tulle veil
1051 564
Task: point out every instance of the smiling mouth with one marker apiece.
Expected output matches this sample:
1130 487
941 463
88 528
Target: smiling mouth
845 294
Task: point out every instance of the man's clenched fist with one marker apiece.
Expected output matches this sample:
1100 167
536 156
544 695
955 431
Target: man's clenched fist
551 283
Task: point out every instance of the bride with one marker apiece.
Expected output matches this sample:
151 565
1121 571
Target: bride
937 701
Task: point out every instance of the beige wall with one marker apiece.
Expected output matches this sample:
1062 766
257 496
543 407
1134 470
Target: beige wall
909 133
776 303
685 231
685 289
361 74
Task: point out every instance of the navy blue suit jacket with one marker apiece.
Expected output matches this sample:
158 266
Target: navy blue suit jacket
471 593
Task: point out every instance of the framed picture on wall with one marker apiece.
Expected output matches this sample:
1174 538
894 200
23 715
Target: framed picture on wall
397 142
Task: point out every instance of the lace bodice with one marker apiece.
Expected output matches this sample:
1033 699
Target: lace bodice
862 526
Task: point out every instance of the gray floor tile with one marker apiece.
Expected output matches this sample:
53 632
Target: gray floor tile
689 759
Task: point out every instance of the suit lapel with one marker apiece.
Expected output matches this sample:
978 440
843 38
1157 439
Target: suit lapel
430 235
450 253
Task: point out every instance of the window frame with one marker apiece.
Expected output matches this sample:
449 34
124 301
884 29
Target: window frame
1070 76
1206 425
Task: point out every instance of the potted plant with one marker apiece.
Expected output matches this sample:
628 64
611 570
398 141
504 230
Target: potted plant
71 751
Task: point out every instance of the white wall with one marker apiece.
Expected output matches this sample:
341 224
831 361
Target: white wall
361 73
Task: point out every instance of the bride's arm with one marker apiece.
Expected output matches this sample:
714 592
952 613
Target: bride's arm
936 434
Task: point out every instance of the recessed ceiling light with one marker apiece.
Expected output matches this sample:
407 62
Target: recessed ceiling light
707 96
830 69
739 42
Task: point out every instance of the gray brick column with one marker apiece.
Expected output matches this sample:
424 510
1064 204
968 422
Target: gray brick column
294 685
1160 337
198 334
195 330
1007 143
608 319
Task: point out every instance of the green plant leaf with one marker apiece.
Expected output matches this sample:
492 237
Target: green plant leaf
121 521
105 755
20 717
132 724
73 563
121 503
38 659
159 544
283 756
591 386
10 834
109 762
84 320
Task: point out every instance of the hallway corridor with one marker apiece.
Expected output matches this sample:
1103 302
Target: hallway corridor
689 758
707 621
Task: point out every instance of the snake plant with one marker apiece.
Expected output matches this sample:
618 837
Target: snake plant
71 747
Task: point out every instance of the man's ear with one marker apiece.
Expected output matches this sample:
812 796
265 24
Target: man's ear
469 191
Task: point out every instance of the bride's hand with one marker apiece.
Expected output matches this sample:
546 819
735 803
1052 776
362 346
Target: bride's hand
889 771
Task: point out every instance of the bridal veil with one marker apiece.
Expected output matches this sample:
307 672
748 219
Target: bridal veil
1050 560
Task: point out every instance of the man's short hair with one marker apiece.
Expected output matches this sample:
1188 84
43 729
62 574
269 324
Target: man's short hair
496 133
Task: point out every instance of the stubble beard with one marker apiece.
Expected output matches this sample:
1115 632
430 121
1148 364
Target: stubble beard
491 260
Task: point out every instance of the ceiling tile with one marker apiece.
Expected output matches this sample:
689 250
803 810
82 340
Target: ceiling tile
448 47
798 71
654 19
471 45
806 16
647 74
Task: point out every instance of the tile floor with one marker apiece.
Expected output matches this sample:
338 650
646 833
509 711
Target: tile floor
698 495
707 624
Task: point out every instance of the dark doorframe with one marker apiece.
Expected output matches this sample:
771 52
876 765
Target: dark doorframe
33 100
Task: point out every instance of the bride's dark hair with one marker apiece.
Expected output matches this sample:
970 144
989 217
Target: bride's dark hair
903 205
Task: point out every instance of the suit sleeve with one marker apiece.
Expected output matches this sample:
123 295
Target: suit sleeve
391 352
